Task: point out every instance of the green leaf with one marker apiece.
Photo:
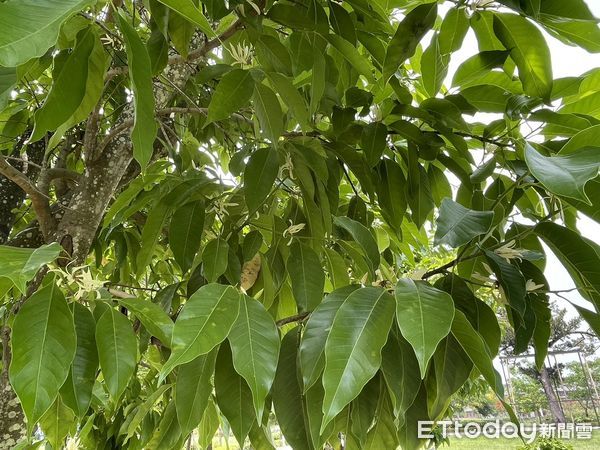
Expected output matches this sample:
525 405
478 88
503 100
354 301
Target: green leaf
453 30
77 390
407 36
152 316
30 27
167 435
140 73
259 176
317 85
214 259
424 315
142 411
452 369
353 348
233 92
190 11
529 51
457 225
511 280
291 97
203 323
478 65
306 275
193 389
185 233
20 265
43 346
94 85
373 141
434 67
473 345
363 237
577 255
565 175
208 425
8 78
581 33
312 348
68 88
360 63
117 351
400 371
268 111
288 401
57 423
391 188
254 343
233 395
384 433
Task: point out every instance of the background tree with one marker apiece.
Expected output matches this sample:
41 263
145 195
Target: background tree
218 210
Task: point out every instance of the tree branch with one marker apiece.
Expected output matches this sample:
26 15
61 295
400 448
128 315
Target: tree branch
297 318
40 202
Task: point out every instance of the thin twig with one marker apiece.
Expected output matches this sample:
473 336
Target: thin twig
296 318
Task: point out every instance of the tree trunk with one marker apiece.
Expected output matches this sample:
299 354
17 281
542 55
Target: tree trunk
556 410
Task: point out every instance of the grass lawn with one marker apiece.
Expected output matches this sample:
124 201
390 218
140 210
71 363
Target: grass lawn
512 444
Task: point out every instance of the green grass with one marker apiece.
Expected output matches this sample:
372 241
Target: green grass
513 444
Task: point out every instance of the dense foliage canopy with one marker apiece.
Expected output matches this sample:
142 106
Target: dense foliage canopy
251 212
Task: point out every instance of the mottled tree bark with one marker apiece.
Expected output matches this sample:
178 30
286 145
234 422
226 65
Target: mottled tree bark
556 410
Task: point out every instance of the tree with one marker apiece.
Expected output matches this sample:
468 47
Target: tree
566 334
216 210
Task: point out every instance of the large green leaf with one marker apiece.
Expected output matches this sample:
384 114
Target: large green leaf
68 88
193 389
167 435
529 50
203 323
424 315
453 30
360 63
259 176
152 316
97 64
577 255
214 259
475 348
434 67
363 237
383 434
477 66
232 93
306 275
373 141
254 343
43 346
401 373
391 193
268 111
30 27
457 225
234 397
565 175
8 78
189 10
140 73
117 351
20 265
353 348
287 395
77 390
142 411
312 348
291 97
57 422
452 369
511 280
185 233
407 36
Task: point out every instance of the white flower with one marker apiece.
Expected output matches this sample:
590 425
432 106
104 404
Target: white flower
508 251
289 166
242 54
293 229
530 286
